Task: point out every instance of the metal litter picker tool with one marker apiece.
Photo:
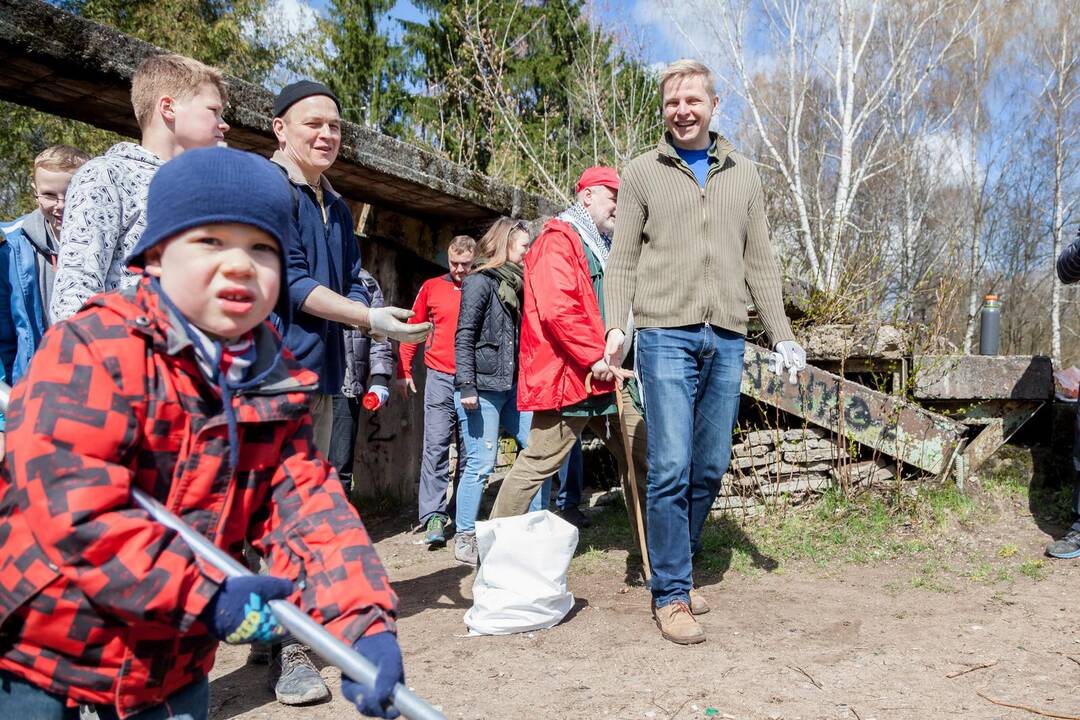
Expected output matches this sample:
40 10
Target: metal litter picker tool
629 482
295 620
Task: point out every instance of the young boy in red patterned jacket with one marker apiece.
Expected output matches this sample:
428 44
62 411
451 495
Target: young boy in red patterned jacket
178 386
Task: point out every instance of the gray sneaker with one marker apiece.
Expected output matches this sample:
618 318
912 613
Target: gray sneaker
1067 547
294 679
465 548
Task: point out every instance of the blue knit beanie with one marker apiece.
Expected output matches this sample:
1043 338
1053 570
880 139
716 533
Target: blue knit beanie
216 185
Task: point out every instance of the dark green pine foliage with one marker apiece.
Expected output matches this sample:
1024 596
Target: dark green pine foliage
448 112
363 65
528 91
493 78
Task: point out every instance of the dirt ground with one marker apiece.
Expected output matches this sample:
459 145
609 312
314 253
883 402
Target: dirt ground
795 639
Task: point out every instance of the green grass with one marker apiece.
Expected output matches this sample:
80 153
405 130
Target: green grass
924 527
932 576
835 530
590 560
1036 569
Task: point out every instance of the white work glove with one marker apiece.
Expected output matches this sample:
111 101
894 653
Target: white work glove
615 347
789 354
389 322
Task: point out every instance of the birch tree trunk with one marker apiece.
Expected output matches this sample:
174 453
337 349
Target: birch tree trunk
1062 91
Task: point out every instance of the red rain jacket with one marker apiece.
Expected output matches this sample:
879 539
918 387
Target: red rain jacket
562 334
98 602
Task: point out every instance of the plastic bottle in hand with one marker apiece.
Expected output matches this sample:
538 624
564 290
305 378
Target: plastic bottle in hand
376 397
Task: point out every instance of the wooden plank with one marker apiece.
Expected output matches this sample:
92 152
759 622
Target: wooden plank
883 422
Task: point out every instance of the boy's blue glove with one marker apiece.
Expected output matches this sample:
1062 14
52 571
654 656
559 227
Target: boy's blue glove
239 612
384 653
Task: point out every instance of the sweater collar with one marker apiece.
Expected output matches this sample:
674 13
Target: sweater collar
293 171
719 149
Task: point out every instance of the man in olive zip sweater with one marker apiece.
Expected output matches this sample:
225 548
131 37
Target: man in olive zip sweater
690 240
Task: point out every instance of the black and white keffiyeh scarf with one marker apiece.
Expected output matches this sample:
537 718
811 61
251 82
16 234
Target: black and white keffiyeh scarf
578 217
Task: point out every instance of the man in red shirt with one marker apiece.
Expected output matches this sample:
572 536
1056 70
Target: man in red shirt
438 301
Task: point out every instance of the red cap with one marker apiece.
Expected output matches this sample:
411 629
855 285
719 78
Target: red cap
598 175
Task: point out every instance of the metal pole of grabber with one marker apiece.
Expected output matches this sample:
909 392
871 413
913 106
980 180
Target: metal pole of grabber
634 500
630 496
295 620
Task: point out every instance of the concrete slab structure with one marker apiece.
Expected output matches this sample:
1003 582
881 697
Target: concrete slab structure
978 377
845 341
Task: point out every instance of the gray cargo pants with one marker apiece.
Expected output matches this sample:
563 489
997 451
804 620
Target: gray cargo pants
440 429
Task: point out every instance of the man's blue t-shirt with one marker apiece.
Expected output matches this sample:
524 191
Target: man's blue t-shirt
698 160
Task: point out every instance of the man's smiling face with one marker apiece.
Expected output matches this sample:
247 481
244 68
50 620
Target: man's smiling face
688 107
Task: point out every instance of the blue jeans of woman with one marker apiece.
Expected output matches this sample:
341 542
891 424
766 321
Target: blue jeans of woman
20 699
690 378
480 432
571 479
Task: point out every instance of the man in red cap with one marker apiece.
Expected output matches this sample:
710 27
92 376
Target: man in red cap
562 341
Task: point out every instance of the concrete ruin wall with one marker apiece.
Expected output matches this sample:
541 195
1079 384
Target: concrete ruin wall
407 202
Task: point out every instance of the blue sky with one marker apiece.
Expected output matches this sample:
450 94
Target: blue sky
638 18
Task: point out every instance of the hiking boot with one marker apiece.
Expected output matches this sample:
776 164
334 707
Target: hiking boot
677 623
259 653
436 530
465 548
698 604
573 515
1067 547
294 679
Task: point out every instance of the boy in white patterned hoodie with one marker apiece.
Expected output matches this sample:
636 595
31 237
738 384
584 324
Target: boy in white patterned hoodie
178 103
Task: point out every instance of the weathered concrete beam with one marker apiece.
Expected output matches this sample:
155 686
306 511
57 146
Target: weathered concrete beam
979 377
884 422
70 67
838 342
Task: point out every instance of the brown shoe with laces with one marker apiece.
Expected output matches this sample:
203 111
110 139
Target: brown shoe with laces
677 623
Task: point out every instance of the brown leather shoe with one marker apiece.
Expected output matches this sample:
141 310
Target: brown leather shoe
698 604
677 623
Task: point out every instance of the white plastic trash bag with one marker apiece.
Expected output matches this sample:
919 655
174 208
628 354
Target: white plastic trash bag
521 582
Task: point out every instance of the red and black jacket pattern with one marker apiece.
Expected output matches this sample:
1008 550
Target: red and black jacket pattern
98 602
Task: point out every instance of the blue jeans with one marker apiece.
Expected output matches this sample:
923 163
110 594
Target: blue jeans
571 479
690 378
20 699
480 432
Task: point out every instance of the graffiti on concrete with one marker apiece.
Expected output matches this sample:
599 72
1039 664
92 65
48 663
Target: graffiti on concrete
884 422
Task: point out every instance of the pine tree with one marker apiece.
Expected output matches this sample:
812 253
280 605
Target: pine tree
363 66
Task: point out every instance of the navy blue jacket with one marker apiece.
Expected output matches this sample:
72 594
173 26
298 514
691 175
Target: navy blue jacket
321 254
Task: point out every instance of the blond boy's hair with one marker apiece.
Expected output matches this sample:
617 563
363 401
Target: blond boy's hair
688 68
60 158
173 75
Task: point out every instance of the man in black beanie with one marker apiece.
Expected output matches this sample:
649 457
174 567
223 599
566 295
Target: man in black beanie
327 296
325 287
